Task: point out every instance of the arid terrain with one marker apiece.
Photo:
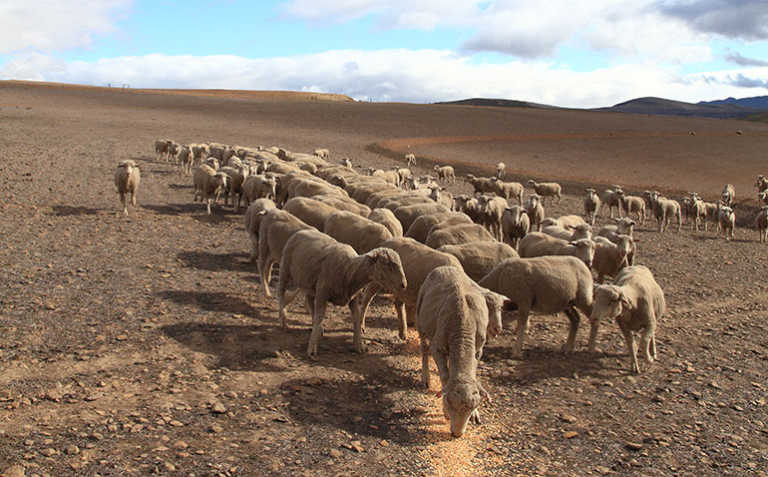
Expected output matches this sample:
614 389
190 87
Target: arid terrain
140 345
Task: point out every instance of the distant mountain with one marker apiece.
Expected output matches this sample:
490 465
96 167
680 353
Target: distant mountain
755 102
652 105
507 103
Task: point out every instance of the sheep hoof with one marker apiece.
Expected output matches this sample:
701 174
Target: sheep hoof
475 417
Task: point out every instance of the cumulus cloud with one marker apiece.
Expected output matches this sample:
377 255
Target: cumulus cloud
392 75
741 60
44 25
744 19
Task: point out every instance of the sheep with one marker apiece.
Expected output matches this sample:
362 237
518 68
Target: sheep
727 221
405 174
328 271
276 227
454 319
582 231
209 185
591 205
343 203
421 227
457 234
237 177
391 177
418 260
565 221
479 258
636 302
761 183
470 207
491 212
386 218
481 184
306 166
507 190
515 224
538 244
322 153
544 285
631 204
362 234
346 163
127 179
546 189
763 197
610 198
624 225
184 160
161 148
611 257
409 213
259 186
445 173
535 211
441 196
253 216
213 163
728 195
310 211
698 211
410 160
500 167
665 209
761 223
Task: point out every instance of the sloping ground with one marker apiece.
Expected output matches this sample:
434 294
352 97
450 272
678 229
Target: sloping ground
143 345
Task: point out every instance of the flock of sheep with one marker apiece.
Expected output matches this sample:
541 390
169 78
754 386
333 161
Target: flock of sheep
450 264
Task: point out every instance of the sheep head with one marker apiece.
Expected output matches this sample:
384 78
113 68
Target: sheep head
386 269
585 250
459 403
609 303
495 303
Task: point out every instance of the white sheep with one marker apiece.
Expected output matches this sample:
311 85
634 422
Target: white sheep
535 210
636 302
209 185
515 224
728 195
441 196
479 258
329 271
611 257
481 184
632 204
454 318
322 153
491 212
543 285
565 221
386 218
500 167
445 173
127 179
346 163
538 244
507 190
276 227
581 231
359 232
421 227
311 211
546 189
457 234
665 209
253 215
591 205
761 223
407 214
259 186
727 221
624 225
410 160
610 198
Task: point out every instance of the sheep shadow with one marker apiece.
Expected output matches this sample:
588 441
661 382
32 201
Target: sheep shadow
68 210
180 186
539 364
213 262
210 301
176 209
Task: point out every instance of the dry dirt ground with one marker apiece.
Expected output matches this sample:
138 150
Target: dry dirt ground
139 345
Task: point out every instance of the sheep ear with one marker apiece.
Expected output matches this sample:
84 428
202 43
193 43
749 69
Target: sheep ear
625 300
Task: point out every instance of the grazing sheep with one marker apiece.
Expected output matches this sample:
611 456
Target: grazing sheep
636 302
728 195
445 173
253 216
479 258
507 190
386 218
277 226
410 160
127 179
409 213
591 205
500 167
610 199
491 212
310 210
544 285
535 211
421 227
515 224
727 222
418 260
343 203
259 186
546 189
631 204
582 231
457 234
322 153
565 221
454 318
362 234
611 257
538 244
328 271
665 209
761 223
209 185
481 184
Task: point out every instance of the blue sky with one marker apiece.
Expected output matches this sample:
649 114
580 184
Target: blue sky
582 54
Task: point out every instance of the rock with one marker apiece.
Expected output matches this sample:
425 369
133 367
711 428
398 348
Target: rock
570 434
335 453
72 450
635 446
48 451
14 471
568 418
357 446
218 408
216 429
169 466
176 423
180 445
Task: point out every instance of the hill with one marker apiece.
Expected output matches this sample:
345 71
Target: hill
754 102
505 103
653 105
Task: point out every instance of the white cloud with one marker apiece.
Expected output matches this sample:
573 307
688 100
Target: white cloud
394 75
28 25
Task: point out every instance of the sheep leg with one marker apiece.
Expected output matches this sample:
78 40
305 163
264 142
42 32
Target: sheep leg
122 201
630 340
425 376
265 273
133 198
592 345
208 205
441 360
317 325
645 343
354 309
365 301
522 328
402 319
573 317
